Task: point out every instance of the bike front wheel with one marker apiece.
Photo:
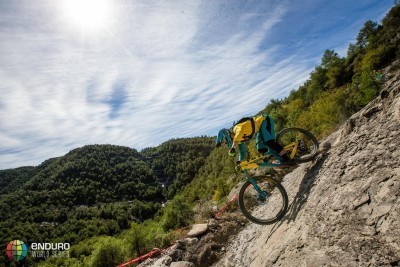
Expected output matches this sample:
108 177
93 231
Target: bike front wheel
301 144
258 209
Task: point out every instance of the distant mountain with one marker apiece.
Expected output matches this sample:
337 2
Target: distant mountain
12 179
176 162
94 190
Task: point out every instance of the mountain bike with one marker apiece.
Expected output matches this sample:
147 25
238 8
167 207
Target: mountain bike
263 199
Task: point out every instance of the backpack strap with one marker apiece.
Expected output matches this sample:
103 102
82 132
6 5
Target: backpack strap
269 128
242 120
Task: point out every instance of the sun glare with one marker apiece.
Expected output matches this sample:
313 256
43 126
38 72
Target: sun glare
88 15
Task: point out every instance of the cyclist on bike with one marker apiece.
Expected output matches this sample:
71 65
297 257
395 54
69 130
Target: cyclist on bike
260 126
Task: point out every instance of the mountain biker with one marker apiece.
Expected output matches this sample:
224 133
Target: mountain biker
262 127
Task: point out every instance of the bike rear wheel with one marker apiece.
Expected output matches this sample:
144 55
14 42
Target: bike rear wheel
263 211
301 144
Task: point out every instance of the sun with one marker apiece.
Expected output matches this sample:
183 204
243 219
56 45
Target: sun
88 15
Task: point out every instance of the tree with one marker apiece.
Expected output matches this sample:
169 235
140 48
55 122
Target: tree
177 213
109 253
369 29
329 58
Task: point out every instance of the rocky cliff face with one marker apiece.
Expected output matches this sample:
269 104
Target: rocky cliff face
345 205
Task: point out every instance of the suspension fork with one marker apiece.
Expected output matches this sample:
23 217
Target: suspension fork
261 193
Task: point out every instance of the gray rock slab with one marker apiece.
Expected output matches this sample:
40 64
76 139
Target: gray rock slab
198 229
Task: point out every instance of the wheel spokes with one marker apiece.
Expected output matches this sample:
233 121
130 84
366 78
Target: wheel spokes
263 208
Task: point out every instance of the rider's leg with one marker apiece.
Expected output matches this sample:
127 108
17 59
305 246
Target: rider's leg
261 146
278 148
267 139
242 151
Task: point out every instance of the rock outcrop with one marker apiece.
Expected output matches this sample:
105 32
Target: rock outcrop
345 205
204 249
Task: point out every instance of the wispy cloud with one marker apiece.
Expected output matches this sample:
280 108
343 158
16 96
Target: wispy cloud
160 70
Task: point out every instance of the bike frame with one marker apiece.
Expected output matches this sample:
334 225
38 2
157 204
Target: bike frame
245 166
261 193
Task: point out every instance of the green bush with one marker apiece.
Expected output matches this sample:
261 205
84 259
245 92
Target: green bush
109 253
178 213
323 115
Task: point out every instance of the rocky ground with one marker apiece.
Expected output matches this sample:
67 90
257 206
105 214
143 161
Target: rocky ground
344 207
203 245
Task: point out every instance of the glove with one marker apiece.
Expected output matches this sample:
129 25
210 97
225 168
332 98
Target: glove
232 152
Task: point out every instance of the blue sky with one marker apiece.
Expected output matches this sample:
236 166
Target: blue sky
137 73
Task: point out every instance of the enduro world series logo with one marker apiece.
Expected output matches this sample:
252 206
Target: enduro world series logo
18 250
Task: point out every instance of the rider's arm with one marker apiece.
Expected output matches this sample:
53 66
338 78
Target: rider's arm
234 147
223 136
220 138
236 139
235 144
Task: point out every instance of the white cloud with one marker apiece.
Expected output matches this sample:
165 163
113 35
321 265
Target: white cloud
57 92
161 70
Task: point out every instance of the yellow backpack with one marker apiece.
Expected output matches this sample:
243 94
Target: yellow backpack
245 125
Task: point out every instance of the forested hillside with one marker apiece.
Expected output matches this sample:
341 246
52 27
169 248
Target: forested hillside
340 86
13 178
93 190
175 163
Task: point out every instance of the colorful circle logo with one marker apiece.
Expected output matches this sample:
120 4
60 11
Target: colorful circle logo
16 250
